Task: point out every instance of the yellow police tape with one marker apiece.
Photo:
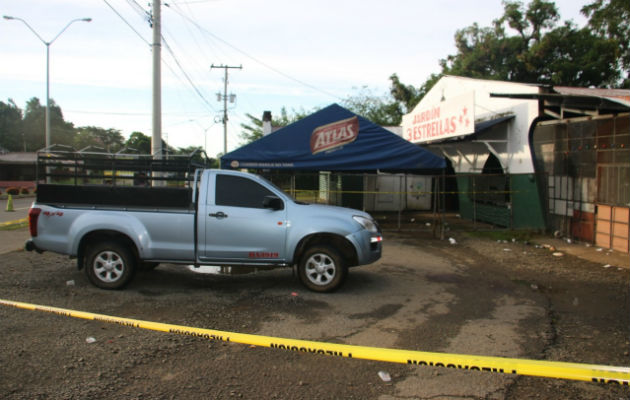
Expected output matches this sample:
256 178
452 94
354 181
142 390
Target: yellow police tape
547 369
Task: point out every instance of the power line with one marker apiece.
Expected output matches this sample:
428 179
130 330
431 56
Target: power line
254 58
168 48
128 24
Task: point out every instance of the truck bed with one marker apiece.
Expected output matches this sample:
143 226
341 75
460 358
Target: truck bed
120 196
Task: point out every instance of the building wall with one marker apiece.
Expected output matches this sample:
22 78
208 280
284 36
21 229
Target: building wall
516 156
586 162
511 198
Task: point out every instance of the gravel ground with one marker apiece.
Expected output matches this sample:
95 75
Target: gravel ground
474 297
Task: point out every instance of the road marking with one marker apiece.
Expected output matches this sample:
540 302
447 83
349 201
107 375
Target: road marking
539 368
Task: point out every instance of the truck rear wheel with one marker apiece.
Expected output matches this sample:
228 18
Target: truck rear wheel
322 269
109 265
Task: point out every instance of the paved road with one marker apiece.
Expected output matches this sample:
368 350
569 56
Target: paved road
474 297
20 205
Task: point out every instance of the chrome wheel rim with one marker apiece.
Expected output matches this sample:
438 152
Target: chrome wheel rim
108 266
320 269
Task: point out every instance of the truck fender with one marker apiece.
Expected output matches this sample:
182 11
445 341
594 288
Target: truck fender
124 226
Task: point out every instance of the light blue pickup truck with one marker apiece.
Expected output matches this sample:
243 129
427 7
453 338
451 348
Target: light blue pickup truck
223 218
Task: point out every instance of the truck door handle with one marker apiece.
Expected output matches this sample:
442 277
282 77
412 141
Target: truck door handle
218 215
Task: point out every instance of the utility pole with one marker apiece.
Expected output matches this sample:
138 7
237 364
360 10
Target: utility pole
156 140
225 99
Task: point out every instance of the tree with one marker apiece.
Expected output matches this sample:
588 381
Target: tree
111 140
11 133
526 44
34 126
540 52
611 19
382 110
140 142
252 131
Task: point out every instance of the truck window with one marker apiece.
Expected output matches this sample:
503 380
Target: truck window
236 191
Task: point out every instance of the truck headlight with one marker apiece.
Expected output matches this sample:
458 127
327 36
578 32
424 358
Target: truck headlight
367 223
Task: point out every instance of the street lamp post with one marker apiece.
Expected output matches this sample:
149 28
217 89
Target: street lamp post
47 44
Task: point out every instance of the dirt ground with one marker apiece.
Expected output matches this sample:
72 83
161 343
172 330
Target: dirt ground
477 296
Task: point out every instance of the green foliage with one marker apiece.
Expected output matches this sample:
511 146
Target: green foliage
382 110
610 19
111 140
540 51
139 142
11 134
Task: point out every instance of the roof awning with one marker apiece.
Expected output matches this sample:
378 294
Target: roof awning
481 127
559 105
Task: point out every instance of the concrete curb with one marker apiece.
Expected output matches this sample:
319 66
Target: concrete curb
14 222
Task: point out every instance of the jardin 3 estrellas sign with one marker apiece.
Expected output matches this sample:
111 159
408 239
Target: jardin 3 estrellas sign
437 121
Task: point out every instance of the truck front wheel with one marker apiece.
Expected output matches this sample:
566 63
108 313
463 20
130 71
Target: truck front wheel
109 265
321 269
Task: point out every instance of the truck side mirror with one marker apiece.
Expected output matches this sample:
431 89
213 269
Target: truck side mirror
273 202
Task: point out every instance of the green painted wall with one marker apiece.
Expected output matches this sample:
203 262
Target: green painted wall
526 212
526 202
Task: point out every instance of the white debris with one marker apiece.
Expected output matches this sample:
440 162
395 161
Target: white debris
607 266
90 339
385 377
70 283
558 254
452 240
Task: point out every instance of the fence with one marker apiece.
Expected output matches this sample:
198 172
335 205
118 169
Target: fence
508 201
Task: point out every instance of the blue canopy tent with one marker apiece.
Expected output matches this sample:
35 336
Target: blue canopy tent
333 139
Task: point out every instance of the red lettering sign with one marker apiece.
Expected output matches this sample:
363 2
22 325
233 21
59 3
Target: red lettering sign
262 254
333 135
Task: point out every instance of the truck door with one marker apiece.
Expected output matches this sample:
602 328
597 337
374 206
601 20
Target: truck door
238 227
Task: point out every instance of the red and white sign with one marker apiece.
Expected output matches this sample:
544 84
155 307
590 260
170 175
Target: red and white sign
449 118
335 134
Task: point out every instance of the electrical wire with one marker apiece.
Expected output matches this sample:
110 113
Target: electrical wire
128 24
192 84
258 61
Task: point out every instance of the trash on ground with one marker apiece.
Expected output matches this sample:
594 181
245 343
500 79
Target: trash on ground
452 241
70 283
90 339
558 254
385 377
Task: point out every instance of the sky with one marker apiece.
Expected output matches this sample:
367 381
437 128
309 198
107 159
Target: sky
300 55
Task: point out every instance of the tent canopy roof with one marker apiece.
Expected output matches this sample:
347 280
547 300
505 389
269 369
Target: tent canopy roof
333 139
